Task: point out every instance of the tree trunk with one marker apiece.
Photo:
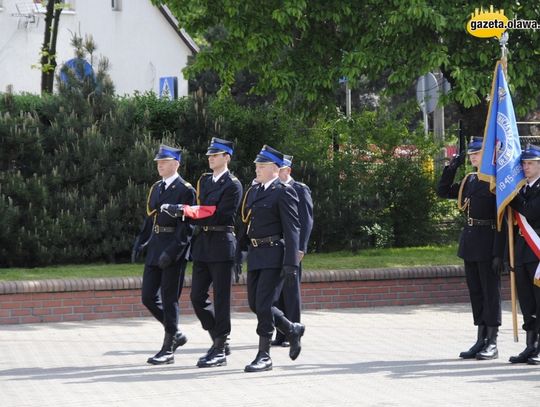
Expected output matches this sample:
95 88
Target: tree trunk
48 50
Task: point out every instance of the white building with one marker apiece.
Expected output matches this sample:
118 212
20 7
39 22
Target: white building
141 41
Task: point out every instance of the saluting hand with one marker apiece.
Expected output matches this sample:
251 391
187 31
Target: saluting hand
456 161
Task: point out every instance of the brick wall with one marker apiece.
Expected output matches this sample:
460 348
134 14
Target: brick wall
85 299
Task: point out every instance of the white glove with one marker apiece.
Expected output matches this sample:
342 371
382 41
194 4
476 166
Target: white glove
164 207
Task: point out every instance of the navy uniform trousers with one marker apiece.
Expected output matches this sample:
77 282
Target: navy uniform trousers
479 243
213 252
528 204
161 287
290 299
269 213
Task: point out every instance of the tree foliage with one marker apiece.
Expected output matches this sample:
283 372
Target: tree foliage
299 49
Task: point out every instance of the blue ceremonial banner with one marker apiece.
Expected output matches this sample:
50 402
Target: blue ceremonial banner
501 151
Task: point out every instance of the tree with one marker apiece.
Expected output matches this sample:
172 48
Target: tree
299 49
48 49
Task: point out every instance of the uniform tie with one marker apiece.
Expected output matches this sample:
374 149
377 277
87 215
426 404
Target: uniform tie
162 187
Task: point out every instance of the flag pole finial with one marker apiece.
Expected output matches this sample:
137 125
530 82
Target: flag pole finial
504 50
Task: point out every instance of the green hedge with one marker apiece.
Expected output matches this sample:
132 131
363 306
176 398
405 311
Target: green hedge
74 172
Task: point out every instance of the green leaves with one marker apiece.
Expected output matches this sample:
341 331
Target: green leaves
320 40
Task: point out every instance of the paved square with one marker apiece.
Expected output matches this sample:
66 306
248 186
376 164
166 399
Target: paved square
387 356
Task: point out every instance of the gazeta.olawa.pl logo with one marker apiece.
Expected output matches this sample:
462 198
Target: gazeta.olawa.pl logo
493 23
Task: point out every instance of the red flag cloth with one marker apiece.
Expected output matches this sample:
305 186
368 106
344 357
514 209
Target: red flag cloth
198 211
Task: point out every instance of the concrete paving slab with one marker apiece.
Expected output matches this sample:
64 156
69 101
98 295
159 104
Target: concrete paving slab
387 356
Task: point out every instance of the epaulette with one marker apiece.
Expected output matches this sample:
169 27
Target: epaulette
301 184
187 184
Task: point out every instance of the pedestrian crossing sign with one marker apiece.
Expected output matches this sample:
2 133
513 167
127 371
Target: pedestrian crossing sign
168 87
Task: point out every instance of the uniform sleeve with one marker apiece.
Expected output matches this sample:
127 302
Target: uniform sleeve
226 209
290 225
146 229
446 187
530 208
305 213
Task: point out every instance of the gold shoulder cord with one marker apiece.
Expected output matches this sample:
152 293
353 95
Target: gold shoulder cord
465 205
199 187
245 217
153 211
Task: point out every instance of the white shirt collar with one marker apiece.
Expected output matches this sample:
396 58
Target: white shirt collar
216 178
170 180
532 182
289 179
267 184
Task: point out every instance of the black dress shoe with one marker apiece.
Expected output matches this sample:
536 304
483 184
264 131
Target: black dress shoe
478 346
297 330
216 357
162 358
261 363
534 360
531 344
166 355
179 340
490 350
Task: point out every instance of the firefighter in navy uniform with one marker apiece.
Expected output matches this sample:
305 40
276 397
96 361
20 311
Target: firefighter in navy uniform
527 203
482 249
213 250
290 300
167 241
271 236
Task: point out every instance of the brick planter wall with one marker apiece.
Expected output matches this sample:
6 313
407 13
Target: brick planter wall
84 299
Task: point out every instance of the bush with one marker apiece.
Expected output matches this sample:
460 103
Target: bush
74 175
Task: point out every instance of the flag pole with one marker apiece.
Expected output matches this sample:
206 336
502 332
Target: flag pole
509 214
510 224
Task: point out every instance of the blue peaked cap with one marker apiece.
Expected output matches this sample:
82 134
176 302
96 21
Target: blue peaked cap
219 146
475 145
270 155
287 160
168 153
530 153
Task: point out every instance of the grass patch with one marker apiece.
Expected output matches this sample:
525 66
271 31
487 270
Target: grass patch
372 258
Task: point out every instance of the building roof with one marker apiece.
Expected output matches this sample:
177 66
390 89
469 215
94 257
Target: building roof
171 19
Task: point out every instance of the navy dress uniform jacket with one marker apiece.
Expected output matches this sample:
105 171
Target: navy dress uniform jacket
476 243
176 244
305 212
528 204
271 212
225 194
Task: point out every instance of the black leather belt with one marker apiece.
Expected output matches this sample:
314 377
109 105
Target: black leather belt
164 229
480 222
265 241
217 228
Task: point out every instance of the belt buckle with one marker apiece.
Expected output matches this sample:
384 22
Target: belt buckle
254 242
470 221
156 229
205 228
